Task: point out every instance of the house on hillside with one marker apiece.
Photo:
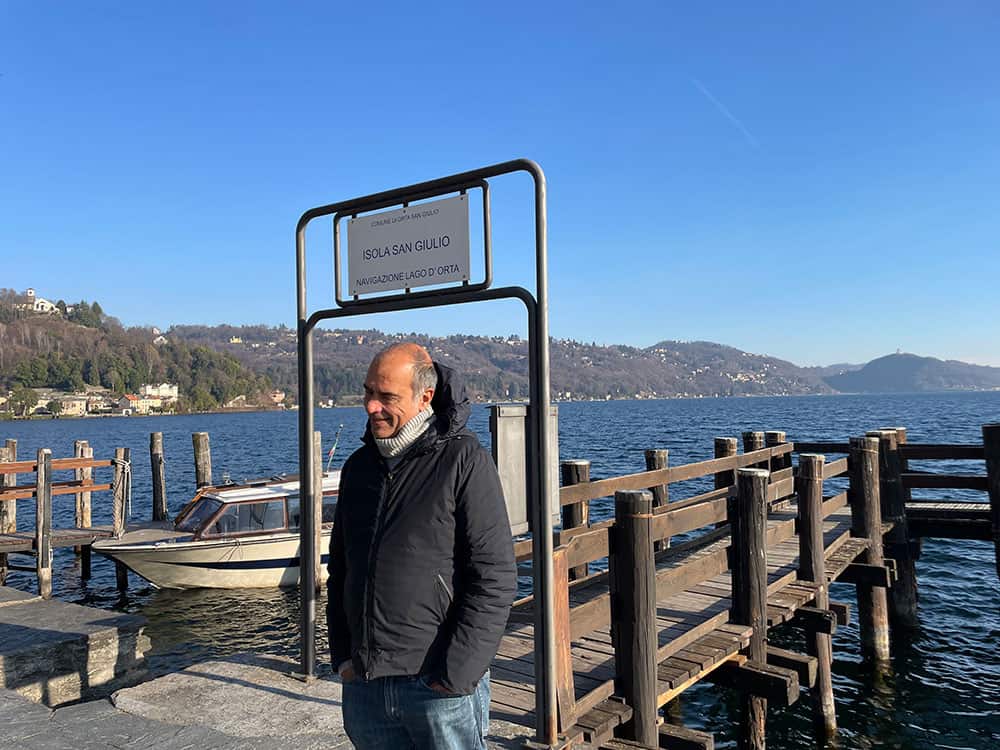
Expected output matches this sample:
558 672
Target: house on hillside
73 406
30 302
165 391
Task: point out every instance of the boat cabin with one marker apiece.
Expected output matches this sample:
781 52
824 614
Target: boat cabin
248 509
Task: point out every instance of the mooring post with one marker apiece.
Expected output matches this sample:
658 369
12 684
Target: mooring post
725 447
991 446
812 567
633 617
575 515
8 508
81 475
119 501
202 460
754 441
156 465
84 475
43 522
866 523
773 439
659 458
318 509
748 520
903 594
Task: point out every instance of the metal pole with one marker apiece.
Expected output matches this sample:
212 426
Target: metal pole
545 653
307 551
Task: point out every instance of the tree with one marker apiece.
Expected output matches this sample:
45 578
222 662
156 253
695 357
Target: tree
23 400
96 309
54 406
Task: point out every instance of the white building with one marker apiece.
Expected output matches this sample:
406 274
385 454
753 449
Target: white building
165 391
30 301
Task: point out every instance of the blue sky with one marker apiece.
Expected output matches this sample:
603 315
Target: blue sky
820 182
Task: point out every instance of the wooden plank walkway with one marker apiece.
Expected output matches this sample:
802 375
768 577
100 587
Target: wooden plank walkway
24 541
693 629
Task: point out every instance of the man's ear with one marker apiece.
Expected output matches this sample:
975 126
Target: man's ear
426 398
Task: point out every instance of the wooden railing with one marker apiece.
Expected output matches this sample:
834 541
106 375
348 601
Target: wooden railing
44 489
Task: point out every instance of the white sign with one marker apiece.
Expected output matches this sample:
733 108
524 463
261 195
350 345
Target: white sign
409 247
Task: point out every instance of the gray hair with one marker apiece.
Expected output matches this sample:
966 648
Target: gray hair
424 376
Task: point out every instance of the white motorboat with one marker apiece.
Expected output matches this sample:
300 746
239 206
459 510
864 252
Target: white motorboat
231 536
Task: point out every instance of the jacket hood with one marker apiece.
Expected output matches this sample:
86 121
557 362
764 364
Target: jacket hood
450 404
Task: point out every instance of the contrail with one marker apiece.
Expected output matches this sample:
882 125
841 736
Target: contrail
726 113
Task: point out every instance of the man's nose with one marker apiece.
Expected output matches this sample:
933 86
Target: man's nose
373 406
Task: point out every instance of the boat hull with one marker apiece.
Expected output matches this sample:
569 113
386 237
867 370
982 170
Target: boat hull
233 563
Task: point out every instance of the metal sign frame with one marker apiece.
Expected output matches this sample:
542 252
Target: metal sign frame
539 396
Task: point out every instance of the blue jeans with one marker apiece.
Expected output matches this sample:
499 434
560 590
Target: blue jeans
403 713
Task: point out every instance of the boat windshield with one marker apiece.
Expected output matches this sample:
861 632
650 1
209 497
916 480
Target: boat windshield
247 518
198 514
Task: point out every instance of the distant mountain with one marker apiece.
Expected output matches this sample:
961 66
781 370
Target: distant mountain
496 368
908 373
825 371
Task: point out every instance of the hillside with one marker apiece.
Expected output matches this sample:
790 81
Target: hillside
496 368
908 373
70 352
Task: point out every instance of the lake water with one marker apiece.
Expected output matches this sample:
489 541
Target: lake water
944 691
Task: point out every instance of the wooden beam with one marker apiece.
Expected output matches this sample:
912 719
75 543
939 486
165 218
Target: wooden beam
816 620
843 612
913 480
991 447
765 681
866 575
942 451
673 737
802 664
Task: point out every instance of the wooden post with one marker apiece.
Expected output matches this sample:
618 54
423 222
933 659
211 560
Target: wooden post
866 522
565 693
82 449
119 499
903 594
724 448
772 439
202 460
43 523
812 567
748 520
156 464
575 515
754 441
991 446
318 509
633 601
8 508
659 458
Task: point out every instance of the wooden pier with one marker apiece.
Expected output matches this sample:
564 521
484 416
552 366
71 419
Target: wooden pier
43 539
758 552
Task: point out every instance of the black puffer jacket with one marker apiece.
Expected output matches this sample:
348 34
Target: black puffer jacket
422 569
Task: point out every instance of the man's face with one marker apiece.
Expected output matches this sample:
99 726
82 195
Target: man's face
389 398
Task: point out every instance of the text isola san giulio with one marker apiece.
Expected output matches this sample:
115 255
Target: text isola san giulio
402 248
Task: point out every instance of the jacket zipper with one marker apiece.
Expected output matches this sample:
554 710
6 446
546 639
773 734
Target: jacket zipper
444 585
372 554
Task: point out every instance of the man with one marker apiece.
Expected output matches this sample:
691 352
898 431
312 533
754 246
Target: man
422 569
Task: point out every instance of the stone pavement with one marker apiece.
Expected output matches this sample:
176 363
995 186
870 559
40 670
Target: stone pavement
248 701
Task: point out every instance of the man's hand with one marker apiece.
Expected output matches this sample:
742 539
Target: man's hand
346 672
437 687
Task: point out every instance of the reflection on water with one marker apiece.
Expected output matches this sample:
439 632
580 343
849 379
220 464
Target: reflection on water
943 690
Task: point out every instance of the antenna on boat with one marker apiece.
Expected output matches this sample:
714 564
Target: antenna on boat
329 458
